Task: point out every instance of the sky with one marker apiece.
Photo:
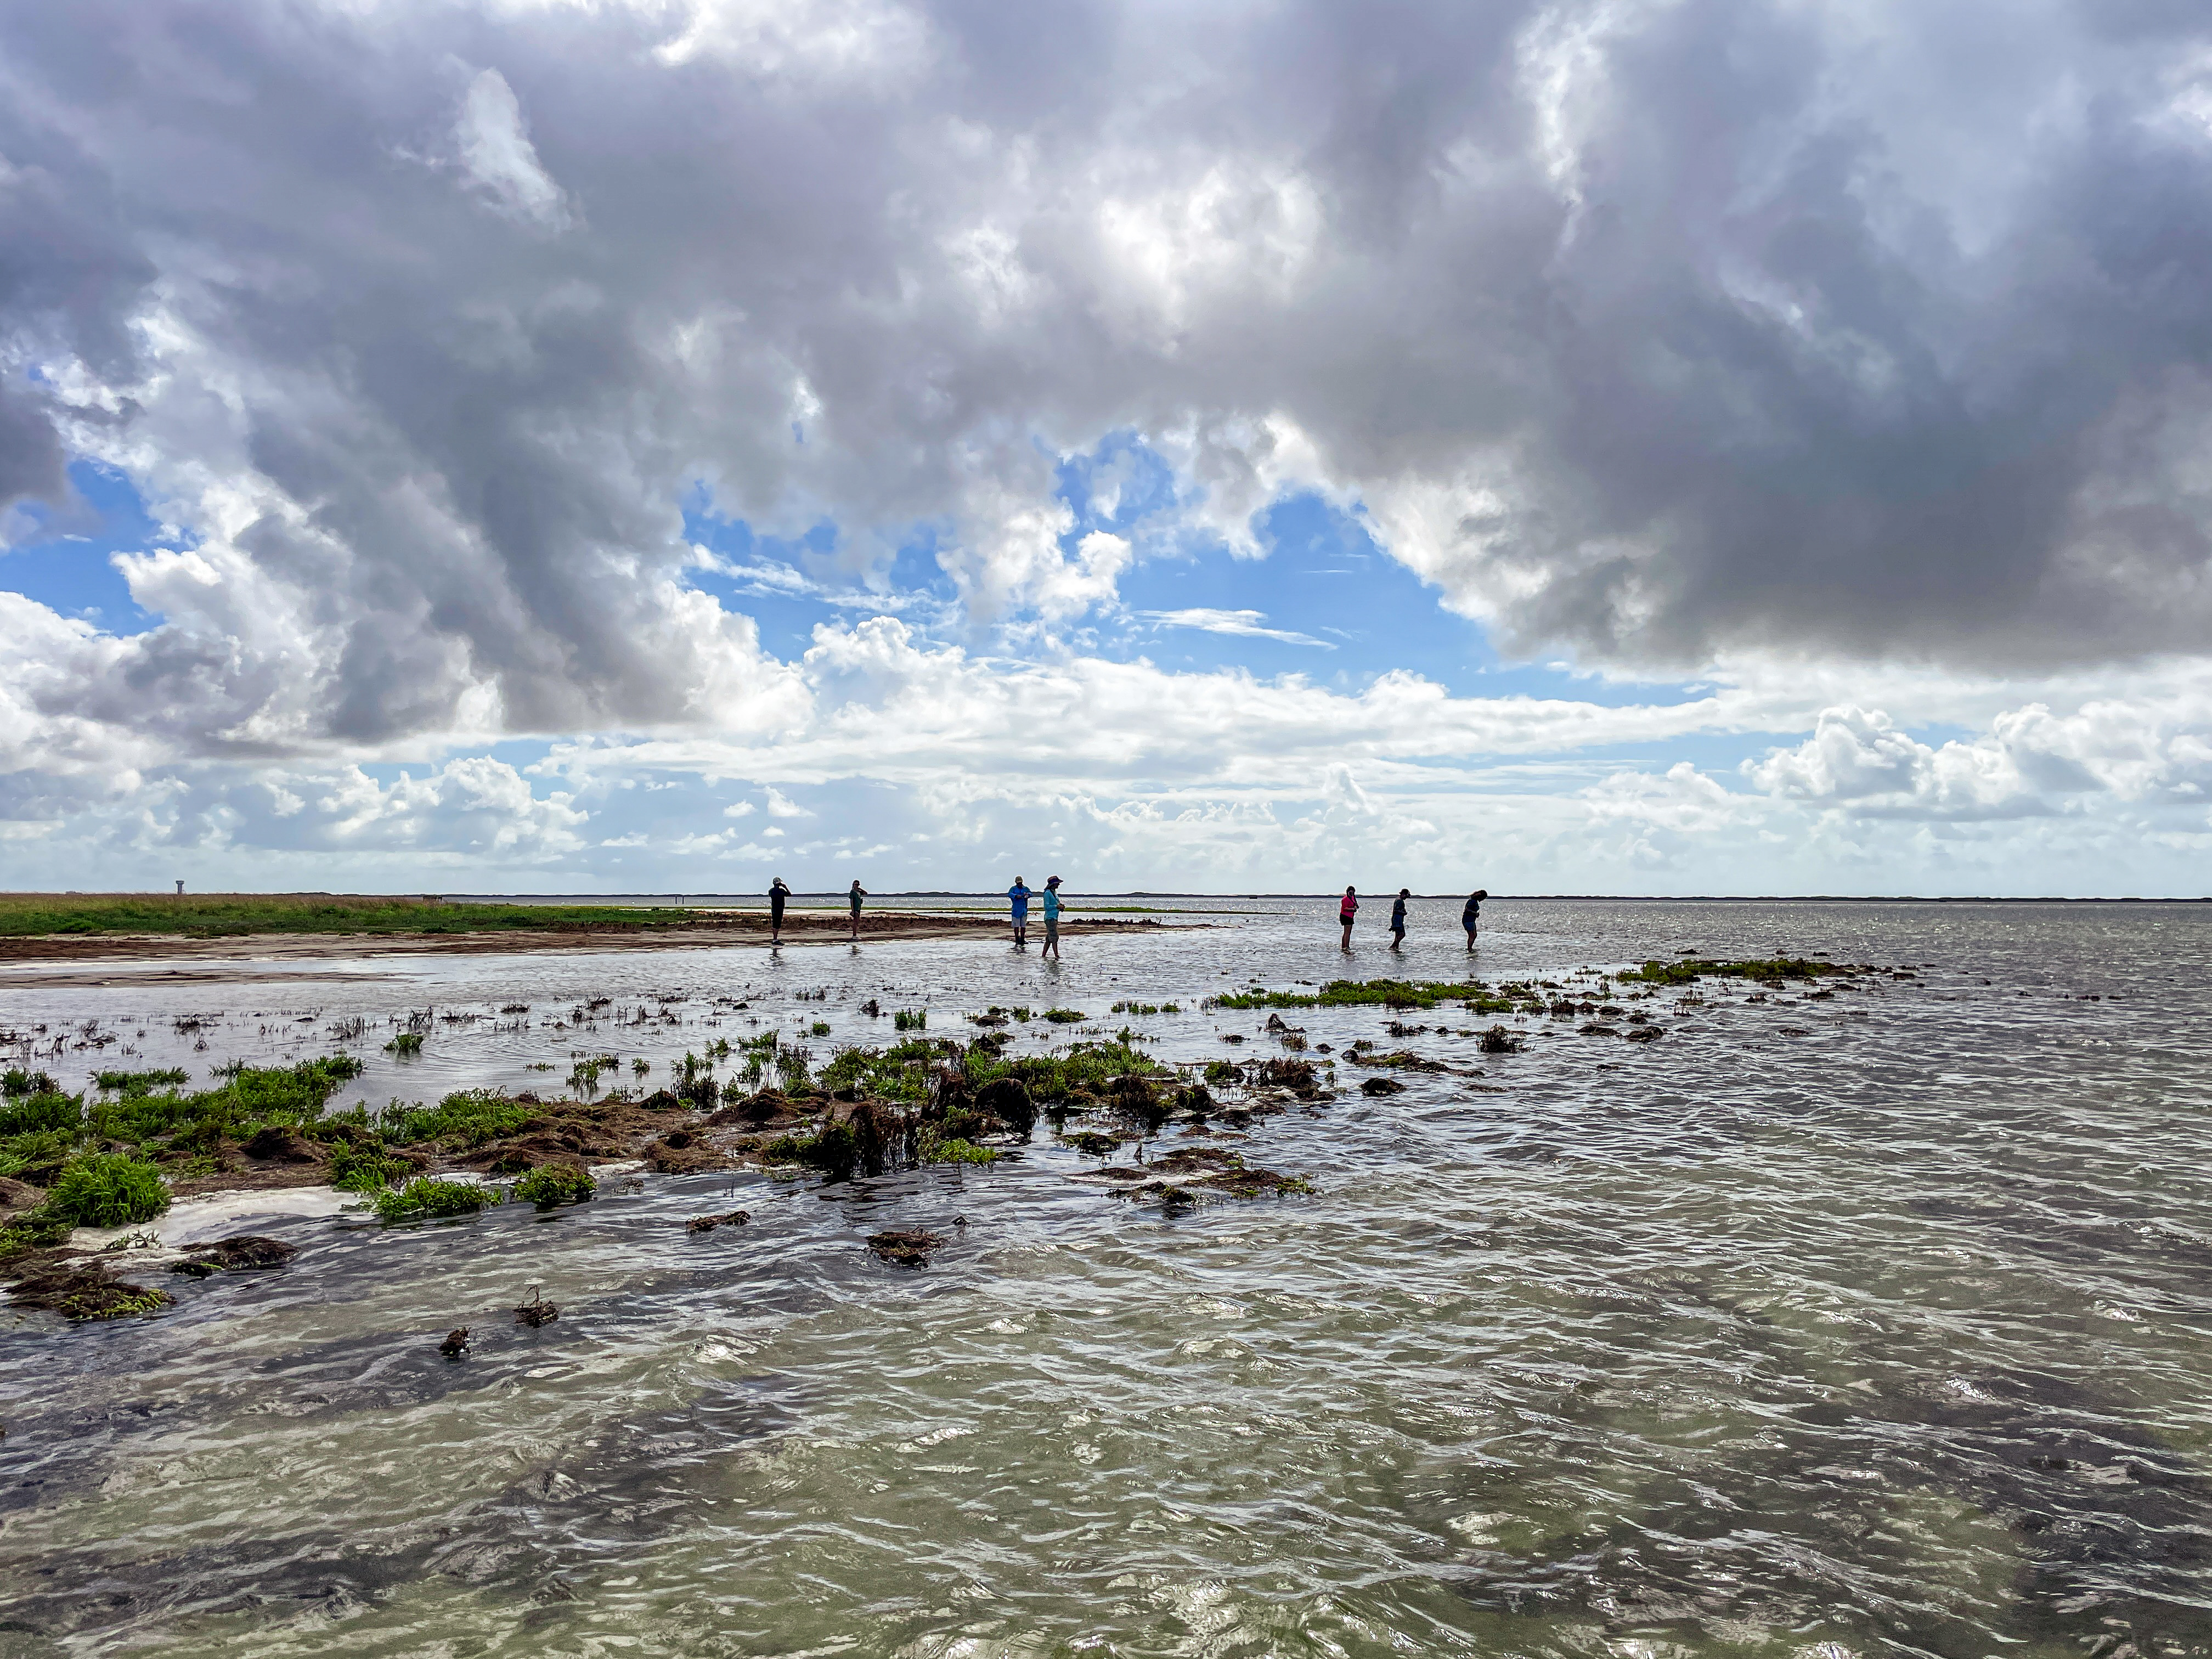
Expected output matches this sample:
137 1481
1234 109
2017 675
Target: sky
1704 447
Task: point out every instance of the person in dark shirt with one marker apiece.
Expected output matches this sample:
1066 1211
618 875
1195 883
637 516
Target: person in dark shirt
1398 919
853 898
777 893
1472 912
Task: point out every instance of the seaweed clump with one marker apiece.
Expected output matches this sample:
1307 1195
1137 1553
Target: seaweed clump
85 1292
906 1248
1773 970
240 1251
1477 997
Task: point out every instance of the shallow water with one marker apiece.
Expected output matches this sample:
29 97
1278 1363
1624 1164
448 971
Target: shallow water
1891 1336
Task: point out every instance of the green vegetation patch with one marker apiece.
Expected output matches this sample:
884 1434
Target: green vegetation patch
166 1123
953 1149
423 1199
217 916
905 1071
36 1114
835 1150
1770 971
356 1168
104 1189
1374 993
549 1184
459 1123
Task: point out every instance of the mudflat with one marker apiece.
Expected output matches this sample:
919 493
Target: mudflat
205 957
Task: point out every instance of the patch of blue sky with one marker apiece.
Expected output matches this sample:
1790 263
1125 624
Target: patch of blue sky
788 587
1328 602
66 560
1116 487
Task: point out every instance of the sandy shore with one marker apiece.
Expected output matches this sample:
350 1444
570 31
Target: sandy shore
188 961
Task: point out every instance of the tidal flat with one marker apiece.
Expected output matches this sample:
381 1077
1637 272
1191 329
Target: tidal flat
1664 1278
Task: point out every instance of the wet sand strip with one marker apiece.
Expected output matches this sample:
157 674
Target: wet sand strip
722 930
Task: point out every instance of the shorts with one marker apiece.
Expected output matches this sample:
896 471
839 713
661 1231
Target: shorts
1051 931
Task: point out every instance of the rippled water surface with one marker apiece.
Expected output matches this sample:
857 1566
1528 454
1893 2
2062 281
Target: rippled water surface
1870 1324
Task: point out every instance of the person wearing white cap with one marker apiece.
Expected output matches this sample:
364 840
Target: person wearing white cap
1051 918
777 894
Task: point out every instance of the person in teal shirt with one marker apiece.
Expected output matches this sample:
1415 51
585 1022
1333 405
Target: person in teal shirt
1051 918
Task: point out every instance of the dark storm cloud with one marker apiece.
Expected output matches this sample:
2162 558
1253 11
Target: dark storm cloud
1650 332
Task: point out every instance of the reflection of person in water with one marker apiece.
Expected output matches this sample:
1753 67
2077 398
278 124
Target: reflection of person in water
777 893
1471 913
1348 912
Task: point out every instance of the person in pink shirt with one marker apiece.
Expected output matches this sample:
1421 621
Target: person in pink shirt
1347 912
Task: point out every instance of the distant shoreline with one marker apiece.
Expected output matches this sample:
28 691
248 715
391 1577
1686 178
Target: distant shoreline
838 898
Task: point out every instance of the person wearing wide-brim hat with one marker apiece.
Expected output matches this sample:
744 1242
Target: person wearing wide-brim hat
1051 919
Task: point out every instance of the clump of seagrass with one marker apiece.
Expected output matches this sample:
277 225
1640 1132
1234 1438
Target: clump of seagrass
908 1248
535 1312
706 1223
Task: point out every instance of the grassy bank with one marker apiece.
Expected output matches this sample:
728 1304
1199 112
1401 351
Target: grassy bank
214 915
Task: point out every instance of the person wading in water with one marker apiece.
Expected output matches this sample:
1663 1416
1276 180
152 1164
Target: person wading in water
1051 919
1018 897
1398 919
1348 912
1471 913
853 898
777 893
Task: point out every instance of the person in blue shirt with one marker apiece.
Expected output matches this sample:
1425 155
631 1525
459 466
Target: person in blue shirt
1018 896
1051 918
1470 914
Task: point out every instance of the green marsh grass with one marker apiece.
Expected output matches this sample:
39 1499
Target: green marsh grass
104 1189
424 1199
214 915
551 1184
